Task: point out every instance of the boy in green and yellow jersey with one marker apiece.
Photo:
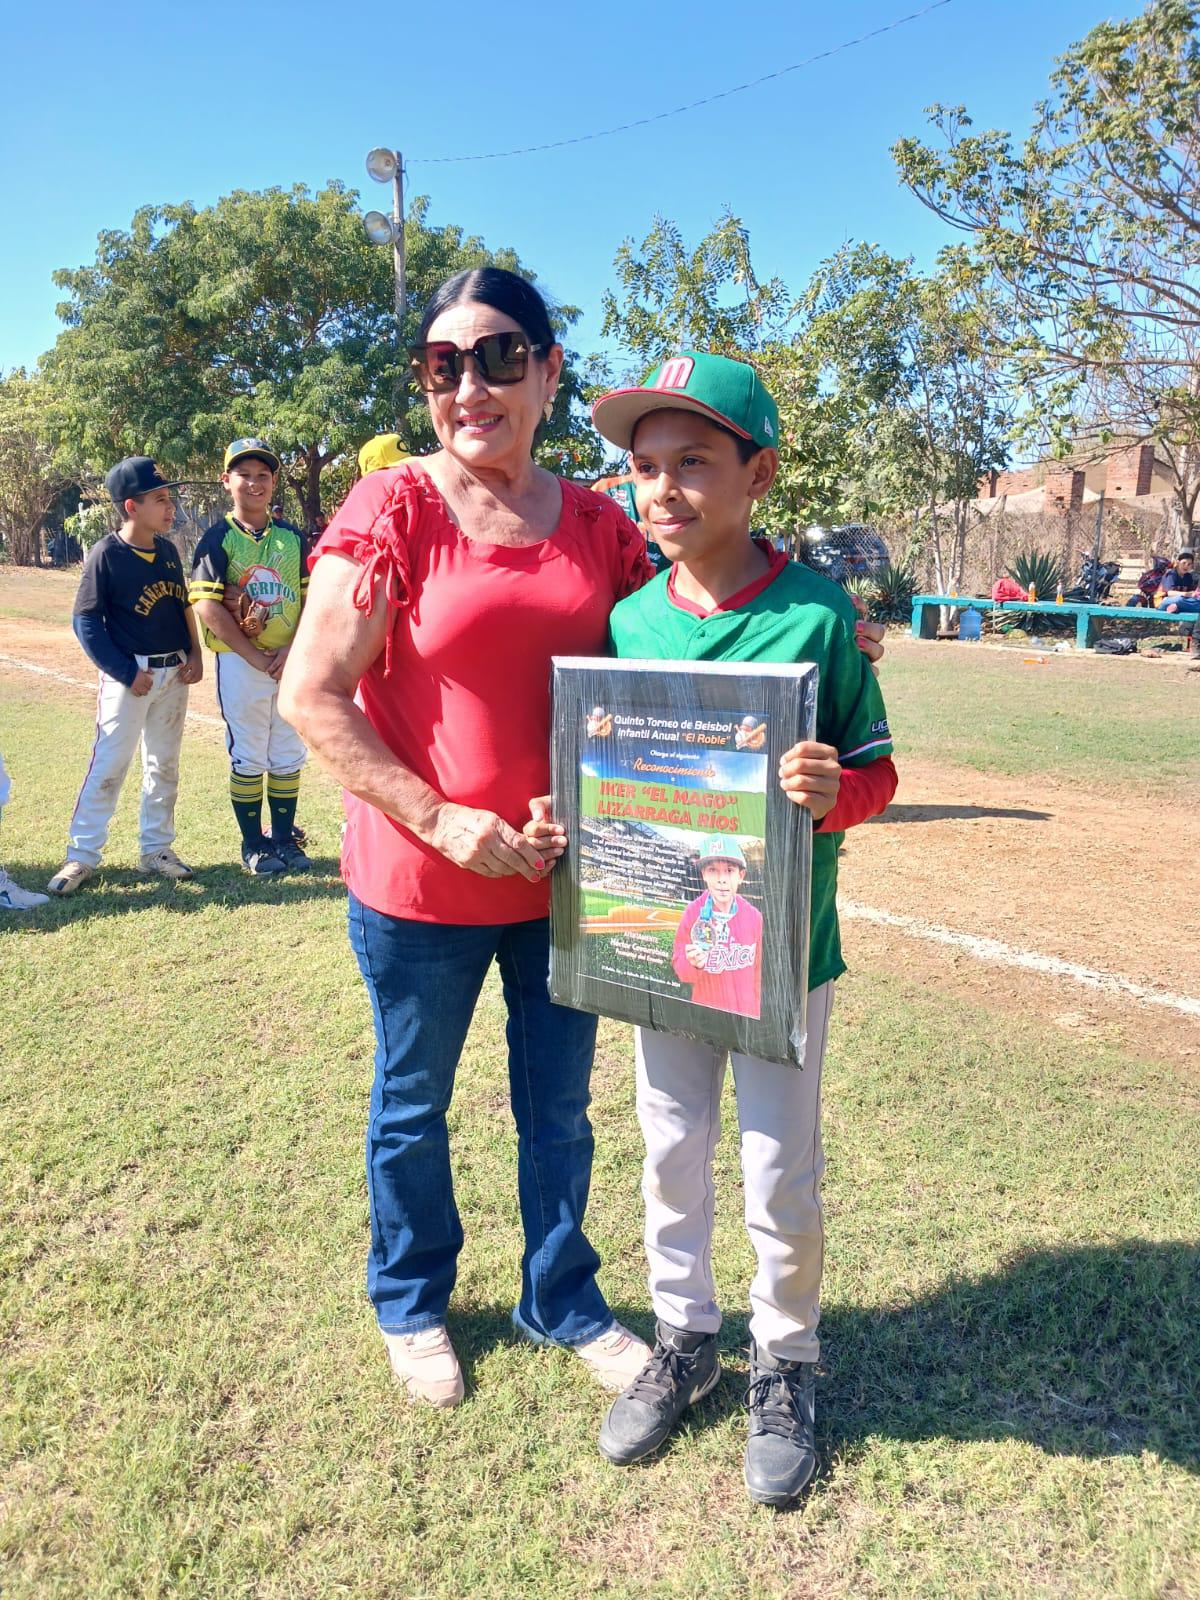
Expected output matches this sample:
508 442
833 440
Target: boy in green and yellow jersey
248 562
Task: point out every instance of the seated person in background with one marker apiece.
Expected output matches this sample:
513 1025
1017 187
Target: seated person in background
1177 590
1007 588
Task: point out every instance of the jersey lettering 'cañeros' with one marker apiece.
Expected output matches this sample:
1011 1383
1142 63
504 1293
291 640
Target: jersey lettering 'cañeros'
271 566
140 594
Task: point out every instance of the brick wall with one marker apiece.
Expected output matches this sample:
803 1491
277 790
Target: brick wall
1130 473
1064 490
997 483
1127 475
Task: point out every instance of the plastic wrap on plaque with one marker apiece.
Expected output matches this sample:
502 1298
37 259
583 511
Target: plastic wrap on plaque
682 902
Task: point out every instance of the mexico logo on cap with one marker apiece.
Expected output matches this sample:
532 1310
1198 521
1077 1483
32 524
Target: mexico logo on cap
674 374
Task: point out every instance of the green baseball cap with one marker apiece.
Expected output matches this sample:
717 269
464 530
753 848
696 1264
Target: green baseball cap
722 850
727 392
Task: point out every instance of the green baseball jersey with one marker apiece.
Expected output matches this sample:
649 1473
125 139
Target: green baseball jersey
271 566
794 614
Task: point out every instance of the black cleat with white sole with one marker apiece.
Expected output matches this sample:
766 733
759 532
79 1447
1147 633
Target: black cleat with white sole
682 1369
781 1453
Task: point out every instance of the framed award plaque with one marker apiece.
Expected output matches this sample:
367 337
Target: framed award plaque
682 902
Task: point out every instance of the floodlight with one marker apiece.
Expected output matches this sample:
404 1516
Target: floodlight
382 165
378 228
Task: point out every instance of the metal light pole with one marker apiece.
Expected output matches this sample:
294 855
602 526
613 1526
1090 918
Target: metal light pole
387 166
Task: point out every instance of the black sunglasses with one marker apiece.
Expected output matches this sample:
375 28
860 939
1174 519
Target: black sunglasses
498 358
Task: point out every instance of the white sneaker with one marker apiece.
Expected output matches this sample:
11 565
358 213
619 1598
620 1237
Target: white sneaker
615 1358
70 877
14 898
166 864
426 1365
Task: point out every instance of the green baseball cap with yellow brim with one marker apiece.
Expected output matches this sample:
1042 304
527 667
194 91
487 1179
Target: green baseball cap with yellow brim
729 393
243 449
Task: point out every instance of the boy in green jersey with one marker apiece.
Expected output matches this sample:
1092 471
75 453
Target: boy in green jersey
249 579
702 432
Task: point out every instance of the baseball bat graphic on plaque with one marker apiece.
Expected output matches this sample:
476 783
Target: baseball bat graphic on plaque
682 902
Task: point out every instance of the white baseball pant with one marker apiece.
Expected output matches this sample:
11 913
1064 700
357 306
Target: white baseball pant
779 1117
5 784
256 736
124 719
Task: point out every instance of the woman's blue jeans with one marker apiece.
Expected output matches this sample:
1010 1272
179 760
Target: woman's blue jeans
424 980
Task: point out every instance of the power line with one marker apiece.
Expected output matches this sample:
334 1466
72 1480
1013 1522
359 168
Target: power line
694 105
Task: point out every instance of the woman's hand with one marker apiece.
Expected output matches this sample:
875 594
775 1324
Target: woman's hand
811 775
484 843
869 636
549 838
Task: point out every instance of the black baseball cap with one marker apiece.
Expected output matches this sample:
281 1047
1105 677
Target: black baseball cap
133 476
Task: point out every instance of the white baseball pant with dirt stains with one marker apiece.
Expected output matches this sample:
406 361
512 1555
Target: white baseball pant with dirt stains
123 720
779 1118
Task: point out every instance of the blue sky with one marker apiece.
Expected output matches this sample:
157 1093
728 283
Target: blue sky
110 107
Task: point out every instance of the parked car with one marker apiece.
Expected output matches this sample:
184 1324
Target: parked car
853 550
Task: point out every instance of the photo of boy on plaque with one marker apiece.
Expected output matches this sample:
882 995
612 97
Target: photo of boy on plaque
682 901
718 945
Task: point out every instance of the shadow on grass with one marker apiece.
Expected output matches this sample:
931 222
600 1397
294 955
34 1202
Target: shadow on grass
122 891
1088 1351
958 814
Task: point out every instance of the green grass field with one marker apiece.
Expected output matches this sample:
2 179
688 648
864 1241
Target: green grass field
195 1401
1101 722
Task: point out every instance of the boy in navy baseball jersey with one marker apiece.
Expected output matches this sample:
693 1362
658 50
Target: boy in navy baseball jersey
133 620
702 434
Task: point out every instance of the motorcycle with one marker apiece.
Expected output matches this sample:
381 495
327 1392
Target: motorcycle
1095 580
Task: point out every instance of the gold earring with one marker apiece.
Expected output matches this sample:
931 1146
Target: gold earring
548 409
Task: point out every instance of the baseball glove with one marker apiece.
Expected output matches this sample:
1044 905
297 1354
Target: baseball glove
251 615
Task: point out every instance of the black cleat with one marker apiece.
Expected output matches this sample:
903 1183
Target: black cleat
682 1369
291 854
261 860
781 1453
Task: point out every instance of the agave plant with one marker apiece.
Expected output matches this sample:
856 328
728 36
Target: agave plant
1041 569
887 593
860 588
892 589
1037 569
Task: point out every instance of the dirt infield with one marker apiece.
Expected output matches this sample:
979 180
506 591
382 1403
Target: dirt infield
1069 871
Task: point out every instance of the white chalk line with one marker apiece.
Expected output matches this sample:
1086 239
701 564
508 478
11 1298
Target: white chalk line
974 944
1001 954
90 686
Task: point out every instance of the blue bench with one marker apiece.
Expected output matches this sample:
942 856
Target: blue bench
926 607
1087 617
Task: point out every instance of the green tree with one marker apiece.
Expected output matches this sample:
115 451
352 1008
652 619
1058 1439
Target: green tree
913 369
268 313
34 473
1089 229
672 297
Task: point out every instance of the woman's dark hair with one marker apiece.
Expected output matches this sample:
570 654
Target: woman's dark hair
504 292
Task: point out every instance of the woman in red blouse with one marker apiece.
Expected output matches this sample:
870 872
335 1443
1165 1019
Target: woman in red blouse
420 678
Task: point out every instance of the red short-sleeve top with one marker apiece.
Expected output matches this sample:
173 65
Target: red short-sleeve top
461 691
